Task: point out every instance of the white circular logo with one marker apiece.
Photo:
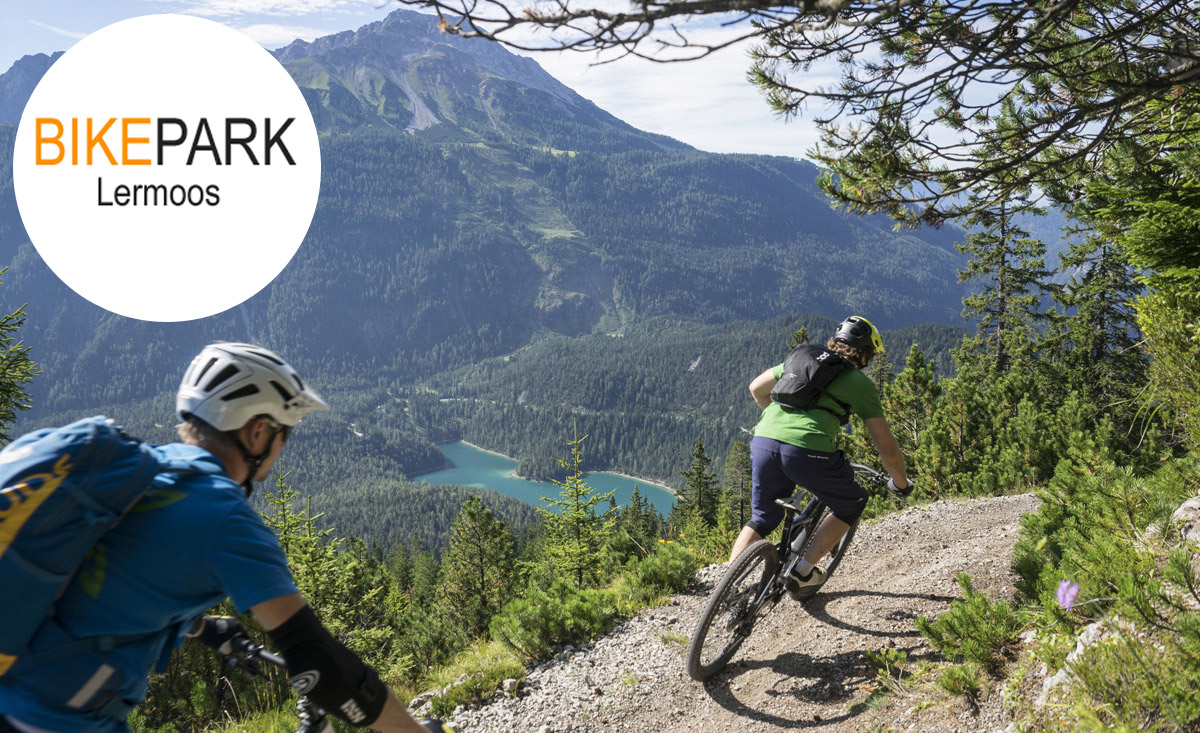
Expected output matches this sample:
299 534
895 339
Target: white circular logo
167 168
305 681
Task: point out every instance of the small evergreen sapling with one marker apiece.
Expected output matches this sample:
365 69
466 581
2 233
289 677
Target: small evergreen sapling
575 533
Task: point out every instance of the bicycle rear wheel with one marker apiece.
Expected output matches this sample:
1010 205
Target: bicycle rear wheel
721 627
830 561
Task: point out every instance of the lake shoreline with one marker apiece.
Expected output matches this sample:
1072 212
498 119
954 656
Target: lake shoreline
449 464
485 450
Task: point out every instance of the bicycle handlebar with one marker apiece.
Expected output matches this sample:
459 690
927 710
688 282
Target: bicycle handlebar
879 479
250 650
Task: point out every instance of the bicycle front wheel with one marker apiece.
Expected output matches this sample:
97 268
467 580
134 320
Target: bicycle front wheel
723 625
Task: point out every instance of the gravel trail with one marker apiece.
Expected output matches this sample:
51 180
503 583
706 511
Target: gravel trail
803 667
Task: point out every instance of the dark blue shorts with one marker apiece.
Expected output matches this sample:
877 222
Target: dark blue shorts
779 467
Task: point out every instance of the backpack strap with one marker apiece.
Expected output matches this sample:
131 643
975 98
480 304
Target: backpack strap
88 645
844 416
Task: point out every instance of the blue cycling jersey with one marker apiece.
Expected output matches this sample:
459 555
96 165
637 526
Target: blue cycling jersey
190 543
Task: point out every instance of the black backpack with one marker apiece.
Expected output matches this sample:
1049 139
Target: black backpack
807 373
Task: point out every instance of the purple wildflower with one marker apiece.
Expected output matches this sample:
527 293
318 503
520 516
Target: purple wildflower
1067 591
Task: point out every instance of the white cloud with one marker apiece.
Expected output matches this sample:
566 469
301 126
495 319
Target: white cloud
275 34
708 103
59 31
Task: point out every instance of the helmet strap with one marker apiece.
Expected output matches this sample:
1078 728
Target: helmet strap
255 462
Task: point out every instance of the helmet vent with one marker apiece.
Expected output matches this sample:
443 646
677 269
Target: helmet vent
249 389
269 357
299 384
287 396
222 376
204 371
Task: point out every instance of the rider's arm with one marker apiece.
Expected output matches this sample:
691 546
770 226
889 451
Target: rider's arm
761 388
889 450
307 641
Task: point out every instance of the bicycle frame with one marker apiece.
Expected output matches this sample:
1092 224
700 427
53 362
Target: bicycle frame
795 520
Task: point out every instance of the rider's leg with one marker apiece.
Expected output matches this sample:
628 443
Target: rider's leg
768 482
829 477
827 536
744 540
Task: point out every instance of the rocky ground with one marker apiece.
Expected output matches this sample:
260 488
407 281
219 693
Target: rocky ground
804 666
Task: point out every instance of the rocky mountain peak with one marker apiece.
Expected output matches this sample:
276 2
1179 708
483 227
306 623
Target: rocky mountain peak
406 35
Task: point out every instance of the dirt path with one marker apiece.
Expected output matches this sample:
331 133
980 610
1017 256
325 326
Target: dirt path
804 665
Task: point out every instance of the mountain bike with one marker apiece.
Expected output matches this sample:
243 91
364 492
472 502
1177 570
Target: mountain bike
756 580
247 655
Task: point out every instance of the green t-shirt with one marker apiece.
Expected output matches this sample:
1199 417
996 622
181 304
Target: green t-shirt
815 429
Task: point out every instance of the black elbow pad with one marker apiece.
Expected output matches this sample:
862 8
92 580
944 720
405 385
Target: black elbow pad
323 669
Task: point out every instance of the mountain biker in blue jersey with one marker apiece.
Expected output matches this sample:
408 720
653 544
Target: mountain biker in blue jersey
793 447
191 543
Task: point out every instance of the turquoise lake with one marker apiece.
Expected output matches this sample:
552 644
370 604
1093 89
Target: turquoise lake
483 470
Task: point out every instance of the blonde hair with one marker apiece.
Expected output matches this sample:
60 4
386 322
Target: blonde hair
858 358
195 431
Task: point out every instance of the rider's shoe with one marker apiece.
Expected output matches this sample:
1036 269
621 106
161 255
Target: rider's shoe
803 586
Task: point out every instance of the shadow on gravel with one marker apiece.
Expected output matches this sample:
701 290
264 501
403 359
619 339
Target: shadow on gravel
804 681
817 607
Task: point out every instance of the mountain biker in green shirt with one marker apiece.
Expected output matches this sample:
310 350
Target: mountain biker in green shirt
796 447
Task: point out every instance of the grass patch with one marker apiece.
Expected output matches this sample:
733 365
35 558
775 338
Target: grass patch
283 720
961 679
484 665
672 638
875 701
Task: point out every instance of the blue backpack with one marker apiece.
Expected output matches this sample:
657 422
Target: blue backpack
61 490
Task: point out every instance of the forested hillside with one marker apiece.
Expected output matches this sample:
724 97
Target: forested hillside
642 397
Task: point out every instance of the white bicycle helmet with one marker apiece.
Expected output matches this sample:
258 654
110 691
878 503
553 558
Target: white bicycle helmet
228 384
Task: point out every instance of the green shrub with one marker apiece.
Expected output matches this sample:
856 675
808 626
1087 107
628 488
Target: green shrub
961 679
534 624
887 662
976 629
1137 683
1088 528
670 568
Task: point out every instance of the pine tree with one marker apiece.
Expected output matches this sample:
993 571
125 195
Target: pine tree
909 400
425 573
575 533
1011 267
637 527
700 495
1150 194
737 483
16 370
478 569
799 336
1097 346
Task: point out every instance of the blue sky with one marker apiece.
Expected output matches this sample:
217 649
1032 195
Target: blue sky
707 103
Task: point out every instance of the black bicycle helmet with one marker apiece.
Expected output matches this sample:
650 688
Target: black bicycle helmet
860 333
